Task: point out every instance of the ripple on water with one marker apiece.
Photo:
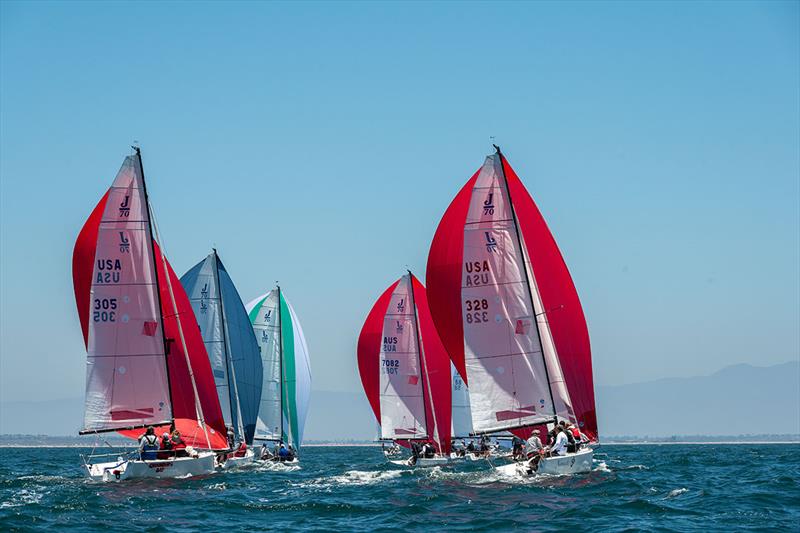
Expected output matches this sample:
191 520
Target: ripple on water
630 487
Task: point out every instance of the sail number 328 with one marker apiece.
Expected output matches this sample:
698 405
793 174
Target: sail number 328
104 310
477 311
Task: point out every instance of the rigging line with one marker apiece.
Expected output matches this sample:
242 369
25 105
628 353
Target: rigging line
499 156
226 345
197 405
423 361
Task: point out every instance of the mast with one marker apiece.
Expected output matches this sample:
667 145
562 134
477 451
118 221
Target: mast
155 273
527 282
226 346
425 381
280 360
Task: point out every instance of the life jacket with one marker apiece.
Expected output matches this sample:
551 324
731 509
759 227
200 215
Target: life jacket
150 442
242 451
576 433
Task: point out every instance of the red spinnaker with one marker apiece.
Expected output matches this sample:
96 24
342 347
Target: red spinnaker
368 350
558 293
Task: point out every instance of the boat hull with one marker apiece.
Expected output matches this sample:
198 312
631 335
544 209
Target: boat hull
423 461
121 470
572 463
232 462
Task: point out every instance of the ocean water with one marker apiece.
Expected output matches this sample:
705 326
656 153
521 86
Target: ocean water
652 487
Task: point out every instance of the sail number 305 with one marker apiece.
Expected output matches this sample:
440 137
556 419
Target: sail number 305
104 310
477 311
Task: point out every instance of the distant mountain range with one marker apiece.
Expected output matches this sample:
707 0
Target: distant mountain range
737 400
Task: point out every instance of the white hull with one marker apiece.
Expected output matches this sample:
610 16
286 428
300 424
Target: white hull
294 461
423 461
156 468
236 462
572 463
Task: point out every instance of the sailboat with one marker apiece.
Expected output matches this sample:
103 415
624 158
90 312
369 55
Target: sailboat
286 384
146 364
232 351
405 371
508 313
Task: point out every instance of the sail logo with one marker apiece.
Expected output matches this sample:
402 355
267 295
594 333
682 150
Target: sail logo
400 327
108 271
488 205
491 243
204 298
401 305
124 243
476 273
268 316
125 207
264 336
389 344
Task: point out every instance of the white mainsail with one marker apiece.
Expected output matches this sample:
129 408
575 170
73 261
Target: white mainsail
401 381
126 374
264 317
203 292
461 425
508 379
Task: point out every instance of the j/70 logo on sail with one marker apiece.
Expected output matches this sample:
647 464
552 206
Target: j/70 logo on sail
491 243
268 316
124 243
488 206
125 207
401 305
204 298
399 327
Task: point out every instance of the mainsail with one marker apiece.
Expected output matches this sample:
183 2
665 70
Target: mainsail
404 367
145 361
286 385
230 343
462 414
506 307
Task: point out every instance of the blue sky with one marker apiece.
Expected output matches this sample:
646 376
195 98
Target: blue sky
318 145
